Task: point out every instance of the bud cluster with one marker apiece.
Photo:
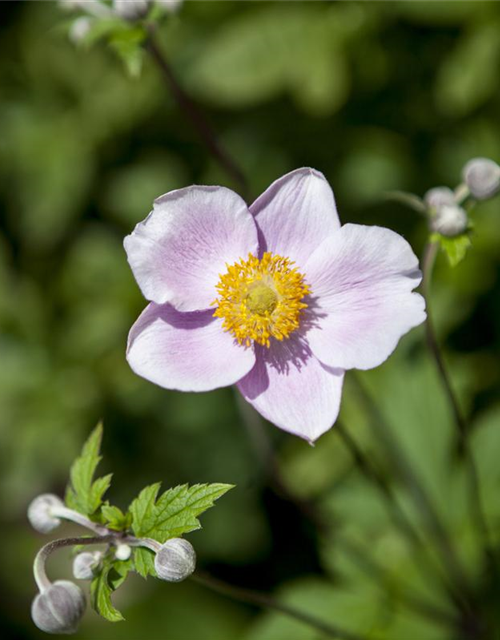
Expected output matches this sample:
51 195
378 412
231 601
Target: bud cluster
447 216
94 10
59 606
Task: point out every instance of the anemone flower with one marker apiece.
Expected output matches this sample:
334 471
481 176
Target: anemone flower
277 298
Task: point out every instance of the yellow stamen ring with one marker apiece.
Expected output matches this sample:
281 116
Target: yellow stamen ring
261 299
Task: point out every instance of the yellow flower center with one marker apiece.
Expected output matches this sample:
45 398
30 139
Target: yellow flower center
261 299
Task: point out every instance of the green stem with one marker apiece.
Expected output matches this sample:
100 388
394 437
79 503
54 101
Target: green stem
476 504
268 602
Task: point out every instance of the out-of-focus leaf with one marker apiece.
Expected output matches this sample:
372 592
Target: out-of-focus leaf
256 57
469 76
455 248
352 609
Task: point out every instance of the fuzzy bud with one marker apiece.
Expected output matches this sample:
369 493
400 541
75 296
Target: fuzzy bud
482 177
80 29
131 9
59 608
85 563
123 552
176 560
169 5
439 196
449 220
40 512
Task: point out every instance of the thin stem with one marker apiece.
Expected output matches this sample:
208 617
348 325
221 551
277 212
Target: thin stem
148 543
39 571
262 600
429 259
195 115
73 516
428 263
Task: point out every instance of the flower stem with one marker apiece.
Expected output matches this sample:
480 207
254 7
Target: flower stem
73 516
428 262
39 570
195 115
477 509
263 600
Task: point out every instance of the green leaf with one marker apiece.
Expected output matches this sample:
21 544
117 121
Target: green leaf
119 572
100 593
455 248
175 511
144 562
114 518
84 494
127 43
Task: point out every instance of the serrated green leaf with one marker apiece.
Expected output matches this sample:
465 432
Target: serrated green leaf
175 512
115 519
455 248
144 562
100 593
84 494
119 572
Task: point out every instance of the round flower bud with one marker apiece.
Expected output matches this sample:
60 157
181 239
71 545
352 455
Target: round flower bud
439 196
449 220
131 9
40 512
84 565
169 5
123 552
59 608
482 176
176 560
80 29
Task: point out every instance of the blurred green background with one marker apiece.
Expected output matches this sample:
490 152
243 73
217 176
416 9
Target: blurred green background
378 96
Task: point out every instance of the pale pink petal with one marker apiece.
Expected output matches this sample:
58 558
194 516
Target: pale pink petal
292 389
185 351
179 251
361 280
295 214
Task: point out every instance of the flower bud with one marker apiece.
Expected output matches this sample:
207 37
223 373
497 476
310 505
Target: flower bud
40 512
80 29
176 560
449 220
131 9
85 563
482 176
439 196
123 552
59 608
169 5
